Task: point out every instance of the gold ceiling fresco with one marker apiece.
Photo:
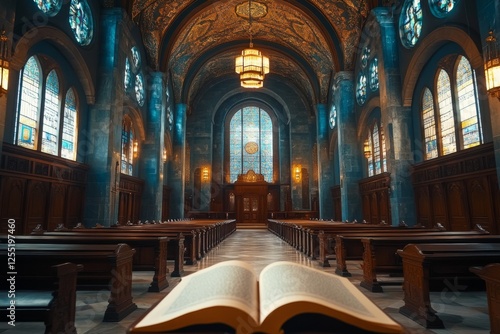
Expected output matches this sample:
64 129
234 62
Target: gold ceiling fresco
308 41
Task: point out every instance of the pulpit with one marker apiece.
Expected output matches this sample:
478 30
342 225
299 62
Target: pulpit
251 200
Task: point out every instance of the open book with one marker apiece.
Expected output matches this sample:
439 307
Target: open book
285 295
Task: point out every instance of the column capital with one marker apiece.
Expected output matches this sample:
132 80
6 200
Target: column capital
343 76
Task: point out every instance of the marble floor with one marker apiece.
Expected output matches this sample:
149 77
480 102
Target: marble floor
461 312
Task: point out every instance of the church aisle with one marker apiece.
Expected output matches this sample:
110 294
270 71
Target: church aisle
462 312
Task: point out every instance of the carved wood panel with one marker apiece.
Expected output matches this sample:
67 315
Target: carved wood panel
375 198
36 205
480 205
12 198
439 205
58 195
457 206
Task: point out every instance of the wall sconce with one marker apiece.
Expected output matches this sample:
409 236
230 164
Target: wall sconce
204 174
492 66
4 63
298 173
366 149
136 148
164 155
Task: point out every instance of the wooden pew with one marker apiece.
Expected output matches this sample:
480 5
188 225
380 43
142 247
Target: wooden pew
104 267
491 275
150 251
175 241
427 264
380 254
349 245
48 295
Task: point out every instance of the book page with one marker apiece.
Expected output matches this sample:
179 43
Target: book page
218 292
294 289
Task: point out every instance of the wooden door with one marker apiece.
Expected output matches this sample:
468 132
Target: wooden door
251 212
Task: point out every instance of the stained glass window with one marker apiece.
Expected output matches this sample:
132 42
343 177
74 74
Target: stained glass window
361 89
333 117
382 147
446 117
136 57
251 143
376 150
127 158
51 115
81 22
410 23
429 123
369 158
440 8
467 105
69 133
374 74
49 7
28 116
139 89
127 74
364 56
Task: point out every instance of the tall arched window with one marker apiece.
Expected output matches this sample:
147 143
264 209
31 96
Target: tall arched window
128 147
467 105
51 119
251 143
456 124
375 150
28 115
446 117
46 121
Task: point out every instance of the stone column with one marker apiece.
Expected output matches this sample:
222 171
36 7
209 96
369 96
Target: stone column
151 167
349 151
103 135
325 178
397 124
176 172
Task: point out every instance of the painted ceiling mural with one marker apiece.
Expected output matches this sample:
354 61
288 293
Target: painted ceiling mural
198 40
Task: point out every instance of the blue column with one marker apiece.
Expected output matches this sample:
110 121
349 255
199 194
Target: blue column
151 168
103 135
349 152
325 177
397 125
176 172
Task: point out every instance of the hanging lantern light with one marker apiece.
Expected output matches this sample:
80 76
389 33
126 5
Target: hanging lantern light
492 66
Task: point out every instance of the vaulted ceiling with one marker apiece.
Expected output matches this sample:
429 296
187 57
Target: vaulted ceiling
197 41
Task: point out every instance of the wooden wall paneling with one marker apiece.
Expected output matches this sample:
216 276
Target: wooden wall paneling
12 196
423 201
374 209
439 205
495 191
480 206
58 202
384 205
74 205
457 206
36 205
366 203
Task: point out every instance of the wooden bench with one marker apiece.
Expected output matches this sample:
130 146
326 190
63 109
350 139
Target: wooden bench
150 251
175 242
349 245
491 275
380 254
427 264
104 267
48 295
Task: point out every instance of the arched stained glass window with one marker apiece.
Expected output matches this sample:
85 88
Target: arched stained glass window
127 74
410 23
375 142
467 105
374 74
70 131
369 157
81 22
376 150
382 147
361 89
251 143
136 57
446 117
49 7
364 56
51 115
29 104
440 8
333 117
429 123
127 158
139 89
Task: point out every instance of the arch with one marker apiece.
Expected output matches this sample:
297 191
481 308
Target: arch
63 44
428 46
